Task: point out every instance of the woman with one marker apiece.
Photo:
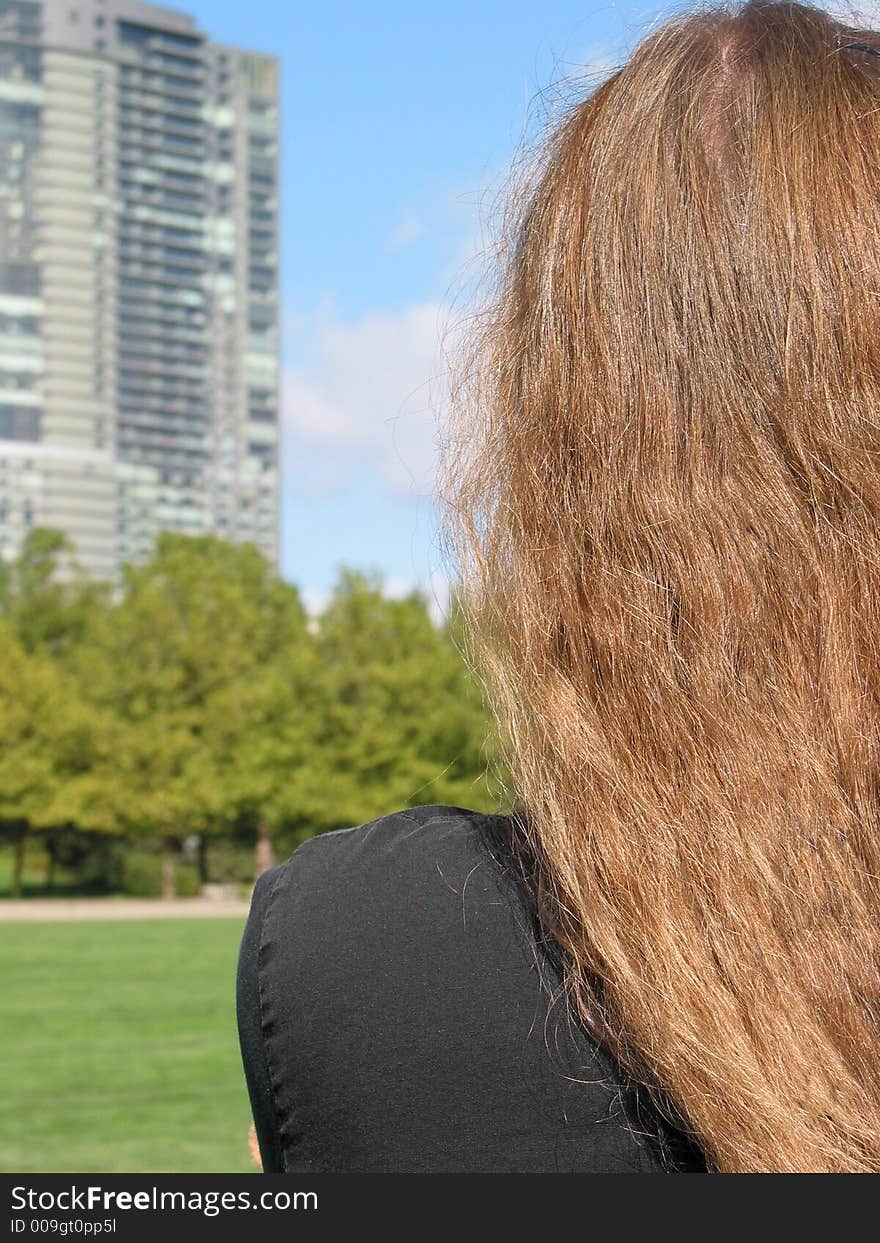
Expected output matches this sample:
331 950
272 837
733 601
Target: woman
663 500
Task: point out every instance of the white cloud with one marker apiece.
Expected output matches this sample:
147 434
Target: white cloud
408 231
314 601
368 394
865 15
591 67
436 590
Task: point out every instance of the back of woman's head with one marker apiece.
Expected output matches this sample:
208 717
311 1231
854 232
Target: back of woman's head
663 501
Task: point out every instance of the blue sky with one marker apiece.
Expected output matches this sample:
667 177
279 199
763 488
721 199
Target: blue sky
398 122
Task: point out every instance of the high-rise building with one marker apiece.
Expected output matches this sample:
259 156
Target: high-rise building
139 319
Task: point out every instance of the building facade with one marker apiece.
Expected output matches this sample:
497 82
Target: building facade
139 318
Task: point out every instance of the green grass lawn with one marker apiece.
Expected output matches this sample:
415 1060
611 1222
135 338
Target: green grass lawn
120 1050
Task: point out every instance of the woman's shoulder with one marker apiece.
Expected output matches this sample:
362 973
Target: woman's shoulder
400 840
411 1013
411 828
419 865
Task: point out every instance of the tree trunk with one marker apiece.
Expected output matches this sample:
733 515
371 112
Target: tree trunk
265 853
18 863
49 878
169 872
203 859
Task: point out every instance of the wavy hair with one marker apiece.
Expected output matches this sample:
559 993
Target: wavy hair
661 499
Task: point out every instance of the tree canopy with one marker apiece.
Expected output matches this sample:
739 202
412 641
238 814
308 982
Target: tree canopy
200 698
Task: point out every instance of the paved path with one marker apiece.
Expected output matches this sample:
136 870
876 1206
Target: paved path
42 910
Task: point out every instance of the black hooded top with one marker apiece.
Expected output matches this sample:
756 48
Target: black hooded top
399 1011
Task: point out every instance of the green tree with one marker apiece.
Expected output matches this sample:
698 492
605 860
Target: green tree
260 754
203 700
46 596
187 661
55 752
403 720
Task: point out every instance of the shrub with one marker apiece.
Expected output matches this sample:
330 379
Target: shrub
100 868
188 883
228 864
142 876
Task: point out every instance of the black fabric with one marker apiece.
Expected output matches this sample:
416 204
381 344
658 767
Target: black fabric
397 1013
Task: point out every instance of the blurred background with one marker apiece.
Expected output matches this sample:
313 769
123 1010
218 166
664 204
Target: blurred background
231 239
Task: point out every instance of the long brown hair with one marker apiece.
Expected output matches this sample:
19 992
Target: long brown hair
661 498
